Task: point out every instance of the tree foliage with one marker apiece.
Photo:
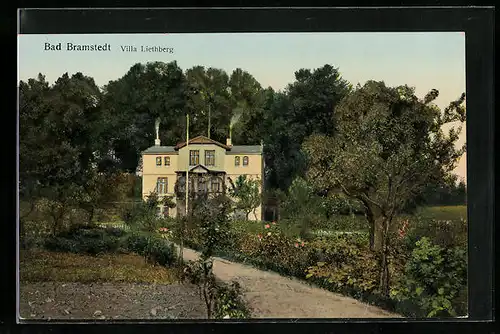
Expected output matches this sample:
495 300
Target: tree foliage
388 145
247 196
305 107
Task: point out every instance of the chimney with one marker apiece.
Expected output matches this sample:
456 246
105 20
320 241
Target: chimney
228 142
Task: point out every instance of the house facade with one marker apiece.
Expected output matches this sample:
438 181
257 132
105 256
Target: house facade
211 167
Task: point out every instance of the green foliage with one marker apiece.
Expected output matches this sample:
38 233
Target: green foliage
200 273
144 215
137 242
388 146
302 207
306 107
229 302
159 251
434 278
210 222
346 263
221 300
338 204
382 146
445 233
449 191
132 103
210 218
83 240
247 194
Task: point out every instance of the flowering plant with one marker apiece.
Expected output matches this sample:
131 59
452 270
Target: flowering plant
403 229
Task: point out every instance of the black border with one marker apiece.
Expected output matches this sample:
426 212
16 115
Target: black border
477 24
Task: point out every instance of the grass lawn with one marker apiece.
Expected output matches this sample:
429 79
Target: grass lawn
43 266
357 223
455 212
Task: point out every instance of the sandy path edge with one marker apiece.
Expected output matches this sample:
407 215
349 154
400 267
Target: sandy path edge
271 295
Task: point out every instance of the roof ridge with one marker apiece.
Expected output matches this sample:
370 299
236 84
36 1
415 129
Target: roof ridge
182 144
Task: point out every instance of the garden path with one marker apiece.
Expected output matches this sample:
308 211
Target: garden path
271 295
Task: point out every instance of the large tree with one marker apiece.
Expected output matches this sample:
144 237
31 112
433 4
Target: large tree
387 146
133 103
211 107
58 141
249 101
305 107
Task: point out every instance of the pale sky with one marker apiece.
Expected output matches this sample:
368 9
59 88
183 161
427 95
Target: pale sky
422 60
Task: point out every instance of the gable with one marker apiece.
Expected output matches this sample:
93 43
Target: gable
199 169
201 140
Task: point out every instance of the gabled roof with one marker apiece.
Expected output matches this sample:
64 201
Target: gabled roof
159 149
202 140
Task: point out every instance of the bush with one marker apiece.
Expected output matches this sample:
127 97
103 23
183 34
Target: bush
154 250
85 240
137 243
160 251
445 233
32 234
115 232
347 223
58 244
346 263
435 279
229 302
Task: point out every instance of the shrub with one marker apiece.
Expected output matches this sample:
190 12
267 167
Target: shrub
160 251
155 250
434 278
33 233
221 300
347 223
81 239
445 233
143 216
114 231
229 302
346 263
58 244
137 243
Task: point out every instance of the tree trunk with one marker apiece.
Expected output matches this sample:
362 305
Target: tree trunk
376 226
384 269
379 243
378 235
384 258
91 216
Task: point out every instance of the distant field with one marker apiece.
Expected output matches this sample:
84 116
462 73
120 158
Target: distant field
455 212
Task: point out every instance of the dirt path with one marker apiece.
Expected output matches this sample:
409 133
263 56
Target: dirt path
273 296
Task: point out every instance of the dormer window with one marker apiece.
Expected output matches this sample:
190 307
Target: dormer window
158 161
166 161
236 161
245 161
